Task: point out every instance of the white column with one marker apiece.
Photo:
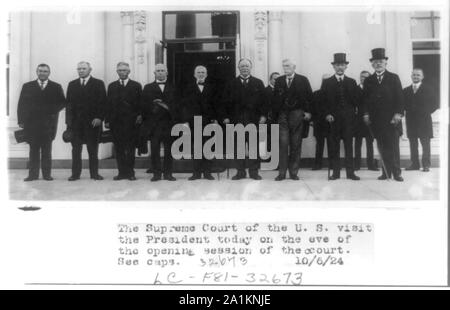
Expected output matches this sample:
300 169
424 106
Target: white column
275 41
19 73
140 46
260 60
128 40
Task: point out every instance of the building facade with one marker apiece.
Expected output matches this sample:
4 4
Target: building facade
217 39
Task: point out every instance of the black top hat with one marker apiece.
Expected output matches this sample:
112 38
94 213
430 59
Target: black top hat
20 135
340 58
378 53
67 136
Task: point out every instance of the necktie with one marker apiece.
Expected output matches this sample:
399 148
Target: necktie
161 83
122 83
42 85
289 82
380 78
83 82
415 88
339 80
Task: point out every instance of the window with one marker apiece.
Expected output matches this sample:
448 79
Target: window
425 25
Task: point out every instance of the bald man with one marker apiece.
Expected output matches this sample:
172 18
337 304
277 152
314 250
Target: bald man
158 102
244 102
198 100
86 99
293 105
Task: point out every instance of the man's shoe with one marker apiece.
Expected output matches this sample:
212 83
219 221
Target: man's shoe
73 178
132 178
195 176
208 176
334 177
119 177
155 178
353 177
294 177
239 175
398 178
280 177
29 179
148 170
382 177
97 177
48 178
426 169
413 167
169 177
255 176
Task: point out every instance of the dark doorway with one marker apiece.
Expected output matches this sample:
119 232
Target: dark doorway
220 66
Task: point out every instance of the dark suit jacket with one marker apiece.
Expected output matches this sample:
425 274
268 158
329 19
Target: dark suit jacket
270 94
419 107
298 96
84 104
382 101
155 116
123 105
196 103
332 103
321 126
38 110
243 104
361 129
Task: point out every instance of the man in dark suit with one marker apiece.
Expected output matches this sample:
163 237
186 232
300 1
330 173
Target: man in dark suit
271 116
362 131
420 103
293 105
244 102
383 107
158 104
320 125
198 100
37 112
341 101
123 115
86 98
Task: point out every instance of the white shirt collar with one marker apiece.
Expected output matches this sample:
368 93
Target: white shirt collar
125 82
339 77
290 76
45 82
163 81
417 84
86 80
380 73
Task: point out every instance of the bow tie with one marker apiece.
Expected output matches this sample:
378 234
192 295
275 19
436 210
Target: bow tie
160 83
200 83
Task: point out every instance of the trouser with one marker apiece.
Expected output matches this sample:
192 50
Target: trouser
125 157
40 158
201 165
156 139
426 151
388 144
291 127
342 128
320 143
91 137
369 148
251 164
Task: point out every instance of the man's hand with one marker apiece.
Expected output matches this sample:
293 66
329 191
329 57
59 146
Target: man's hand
21 125
329 118
396 119
139 119
107 125
307 116
96 122
366 119
226 121
262 120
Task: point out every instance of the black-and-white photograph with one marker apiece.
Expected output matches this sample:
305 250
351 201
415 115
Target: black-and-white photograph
349 102
209 145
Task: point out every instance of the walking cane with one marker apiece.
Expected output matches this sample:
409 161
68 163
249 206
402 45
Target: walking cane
379 152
